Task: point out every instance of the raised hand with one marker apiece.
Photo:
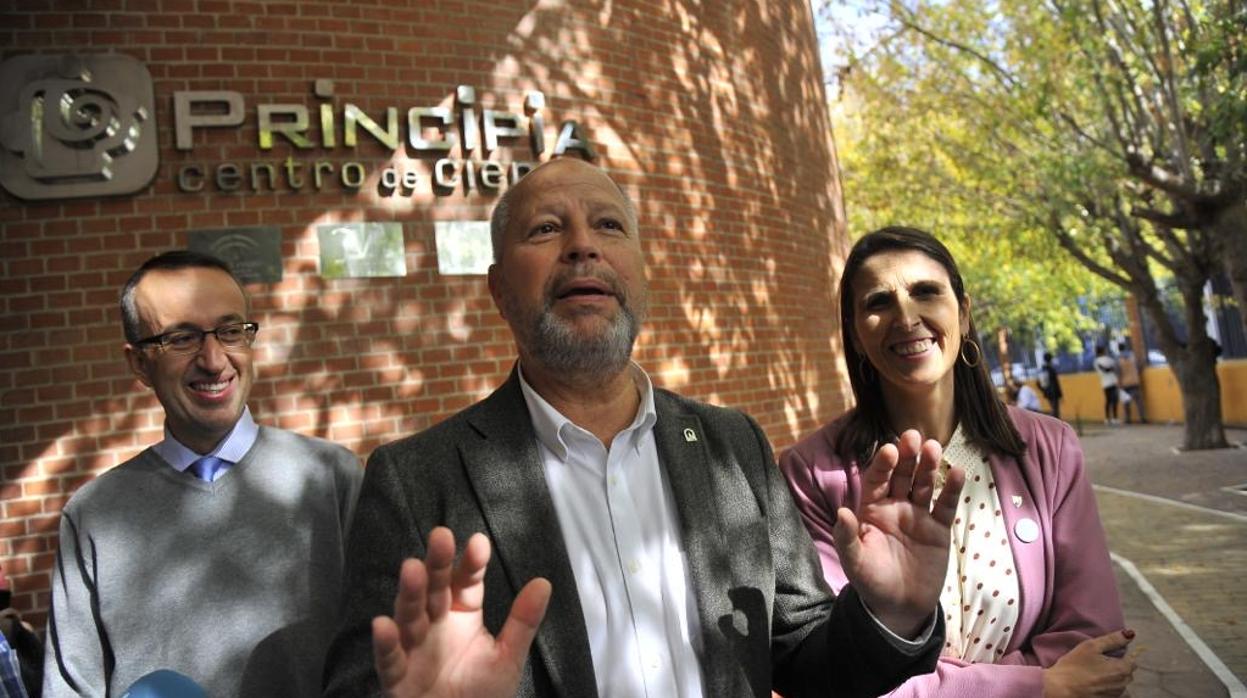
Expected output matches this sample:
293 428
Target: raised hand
436 645
895 547
1087 671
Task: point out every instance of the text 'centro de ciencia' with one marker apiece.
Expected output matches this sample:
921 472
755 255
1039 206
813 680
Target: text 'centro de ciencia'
432 132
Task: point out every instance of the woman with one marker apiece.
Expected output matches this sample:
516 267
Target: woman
1106 368
1029 603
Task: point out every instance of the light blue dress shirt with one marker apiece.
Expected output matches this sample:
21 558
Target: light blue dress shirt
231 449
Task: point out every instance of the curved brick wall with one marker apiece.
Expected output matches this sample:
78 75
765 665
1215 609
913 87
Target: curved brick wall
711 114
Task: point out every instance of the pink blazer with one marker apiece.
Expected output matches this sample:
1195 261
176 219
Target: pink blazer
1066 580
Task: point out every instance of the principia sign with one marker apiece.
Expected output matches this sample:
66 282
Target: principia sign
74 126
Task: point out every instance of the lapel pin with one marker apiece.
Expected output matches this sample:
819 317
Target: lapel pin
1026 530
690 435
1017 501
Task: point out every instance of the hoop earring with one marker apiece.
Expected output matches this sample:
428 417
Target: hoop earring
978 353
866 371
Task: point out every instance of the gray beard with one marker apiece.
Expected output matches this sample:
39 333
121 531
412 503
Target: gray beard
554 345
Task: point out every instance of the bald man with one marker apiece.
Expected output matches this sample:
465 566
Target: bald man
644 540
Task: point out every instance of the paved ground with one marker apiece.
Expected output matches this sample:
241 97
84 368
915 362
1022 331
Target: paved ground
1170 518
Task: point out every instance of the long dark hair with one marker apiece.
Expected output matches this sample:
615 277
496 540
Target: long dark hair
980 412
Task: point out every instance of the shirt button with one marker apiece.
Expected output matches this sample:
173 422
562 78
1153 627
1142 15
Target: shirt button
633 566
613 480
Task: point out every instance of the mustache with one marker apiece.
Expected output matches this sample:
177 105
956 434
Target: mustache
581 272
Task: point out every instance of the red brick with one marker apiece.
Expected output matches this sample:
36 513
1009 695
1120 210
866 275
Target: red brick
41 487
29 545
16 508
15 566
53 505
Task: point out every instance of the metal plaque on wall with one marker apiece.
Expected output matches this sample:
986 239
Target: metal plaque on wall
254 253
463 247
361 249
76 125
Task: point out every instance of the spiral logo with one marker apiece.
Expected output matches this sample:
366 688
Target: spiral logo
83 117
76 126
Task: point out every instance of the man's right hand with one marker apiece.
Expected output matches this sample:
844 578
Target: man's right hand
1087 671
436 645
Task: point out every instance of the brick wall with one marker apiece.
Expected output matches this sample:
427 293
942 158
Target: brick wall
710 114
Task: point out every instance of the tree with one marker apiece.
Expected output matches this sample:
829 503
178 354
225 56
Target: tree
894 135
1171 88
1047 117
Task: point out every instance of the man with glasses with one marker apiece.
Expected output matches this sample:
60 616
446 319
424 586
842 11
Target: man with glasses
217 552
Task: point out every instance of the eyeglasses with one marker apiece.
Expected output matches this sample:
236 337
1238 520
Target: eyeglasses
235 335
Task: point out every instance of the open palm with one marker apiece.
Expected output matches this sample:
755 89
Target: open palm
895 547
436 645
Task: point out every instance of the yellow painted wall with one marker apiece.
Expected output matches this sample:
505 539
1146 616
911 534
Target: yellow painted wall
1162 401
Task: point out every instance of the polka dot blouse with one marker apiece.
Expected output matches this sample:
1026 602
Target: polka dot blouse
980 594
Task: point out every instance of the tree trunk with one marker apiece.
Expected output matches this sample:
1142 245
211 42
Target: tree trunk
1231 235
1201 401
1194 365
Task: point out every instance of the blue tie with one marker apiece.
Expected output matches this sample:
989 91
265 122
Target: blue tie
207 467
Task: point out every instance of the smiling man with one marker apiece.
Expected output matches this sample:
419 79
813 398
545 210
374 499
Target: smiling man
217 552
652 533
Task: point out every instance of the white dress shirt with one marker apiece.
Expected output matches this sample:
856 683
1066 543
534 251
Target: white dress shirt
619 525
1027 399
231 449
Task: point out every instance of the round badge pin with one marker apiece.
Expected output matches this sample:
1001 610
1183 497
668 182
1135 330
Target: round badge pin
1026 530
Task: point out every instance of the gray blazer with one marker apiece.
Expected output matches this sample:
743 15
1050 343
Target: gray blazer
767 617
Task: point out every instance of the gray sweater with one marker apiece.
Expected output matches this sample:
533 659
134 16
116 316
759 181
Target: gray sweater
234 583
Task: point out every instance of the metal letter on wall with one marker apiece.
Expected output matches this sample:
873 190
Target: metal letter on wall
570 138
253 253
293 129
499 124
444 119
186 117
74 126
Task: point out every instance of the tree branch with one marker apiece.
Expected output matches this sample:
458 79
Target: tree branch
1181 220
907 20
1070 245
1175 110
1162 179
1135 115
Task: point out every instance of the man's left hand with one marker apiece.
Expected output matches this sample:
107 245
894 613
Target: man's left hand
895 547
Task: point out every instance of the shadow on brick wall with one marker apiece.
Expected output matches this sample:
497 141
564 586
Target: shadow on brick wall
710 114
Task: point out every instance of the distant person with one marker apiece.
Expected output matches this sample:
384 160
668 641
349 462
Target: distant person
1024 396
1106 369
217 552
1128 375
1030 603
1050 383
21 652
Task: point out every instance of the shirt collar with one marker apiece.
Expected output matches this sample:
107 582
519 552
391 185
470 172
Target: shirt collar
232 448
961 452
549 423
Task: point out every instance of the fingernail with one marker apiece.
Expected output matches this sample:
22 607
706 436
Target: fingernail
1129 633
